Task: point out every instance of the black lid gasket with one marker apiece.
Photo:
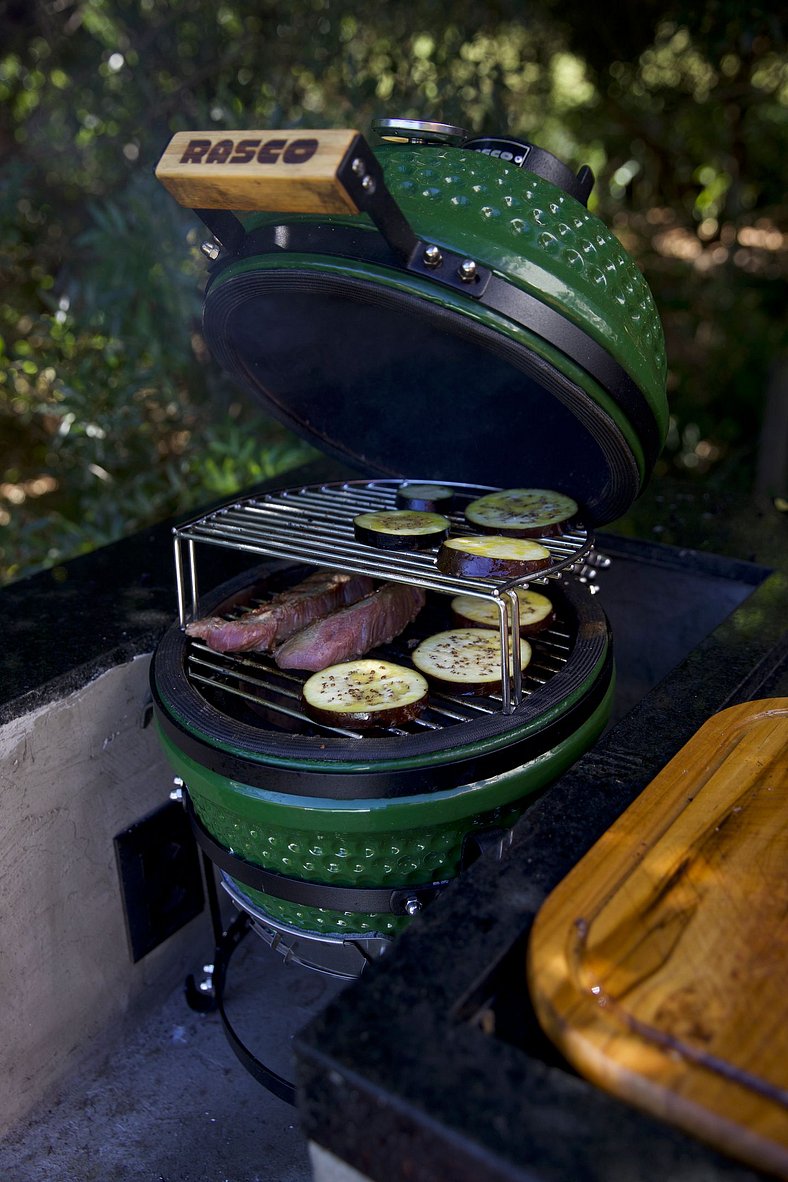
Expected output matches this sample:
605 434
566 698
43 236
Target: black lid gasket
499 295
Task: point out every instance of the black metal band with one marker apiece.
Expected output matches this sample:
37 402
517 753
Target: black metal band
361 174
368 900
497 294
226 228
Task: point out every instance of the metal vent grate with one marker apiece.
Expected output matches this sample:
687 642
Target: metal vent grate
314 525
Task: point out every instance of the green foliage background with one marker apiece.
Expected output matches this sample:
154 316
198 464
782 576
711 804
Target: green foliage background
112 415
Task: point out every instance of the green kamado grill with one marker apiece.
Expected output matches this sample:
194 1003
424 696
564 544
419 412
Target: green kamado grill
441 309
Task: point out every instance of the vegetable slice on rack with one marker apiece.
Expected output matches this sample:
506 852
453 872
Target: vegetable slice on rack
365 693
488 557
467 659
535 611
425 497
521 512
401 529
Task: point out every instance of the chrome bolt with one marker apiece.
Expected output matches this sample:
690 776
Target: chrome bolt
432 257
368 184
211 250
176 792
412 906
467 270
357 166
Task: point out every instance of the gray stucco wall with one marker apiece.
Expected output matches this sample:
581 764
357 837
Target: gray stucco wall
73 773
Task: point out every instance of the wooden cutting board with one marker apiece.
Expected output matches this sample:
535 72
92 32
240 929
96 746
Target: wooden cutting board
659 966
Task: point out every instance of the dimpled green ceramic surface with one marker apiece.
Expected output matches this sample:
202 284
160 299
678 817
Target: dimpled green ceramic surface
395 842
541 239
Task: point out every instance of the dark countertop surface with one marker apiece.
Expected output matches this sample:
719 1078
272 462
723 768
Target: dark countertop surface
401 1077
433 1066
65 626
398 1076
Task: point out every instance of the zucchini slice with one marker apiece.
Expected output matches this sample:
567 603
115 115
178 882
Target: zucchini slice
365 693
467 659
401 529
491 557
535 611
425 497
521 512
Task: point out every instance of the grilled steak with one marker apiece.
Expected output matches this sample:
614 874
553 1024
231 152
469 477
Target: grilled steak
288 612
354 630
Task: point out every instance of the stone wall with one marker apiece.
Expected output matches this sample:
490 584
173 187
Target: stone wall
73 774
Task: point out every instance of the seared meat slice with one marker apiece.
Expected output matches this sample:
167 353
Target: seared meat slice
288 612
354 630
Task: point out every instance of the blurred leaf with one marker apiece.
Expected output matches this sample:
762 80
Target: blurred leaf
681 110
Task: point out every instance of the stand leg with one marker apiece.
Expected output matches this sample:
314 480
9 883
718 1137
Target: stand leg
202 998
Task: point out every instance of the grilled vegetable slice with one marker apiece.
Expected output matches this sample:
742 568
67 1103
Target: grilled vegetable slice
535 611
425 497
401 529
521 512
467 659
489 557
365 693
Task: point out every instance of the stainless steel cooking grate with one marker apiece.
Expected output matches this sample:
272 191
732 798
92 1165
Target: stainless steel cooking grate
253 680
314 525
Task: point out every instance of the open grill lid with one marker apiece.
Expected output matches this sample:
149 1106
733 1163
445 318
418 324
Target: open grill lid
430 307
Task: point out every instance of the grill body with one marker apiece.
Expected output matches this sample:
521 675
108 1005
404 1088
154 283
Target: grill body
359 331
394 811
374 842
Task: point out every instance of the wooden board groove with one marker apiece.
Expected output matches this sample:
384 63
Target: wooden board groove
659 965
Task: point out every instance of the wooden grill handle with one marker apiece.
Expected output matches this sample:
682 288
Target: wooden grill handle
276 171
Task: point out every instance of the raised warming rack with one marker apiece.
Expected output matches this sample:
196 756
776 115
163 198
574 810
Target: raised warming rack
314 525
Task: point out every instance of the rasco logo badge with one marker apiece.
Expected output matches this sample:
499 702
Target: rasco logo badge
249 151
293 170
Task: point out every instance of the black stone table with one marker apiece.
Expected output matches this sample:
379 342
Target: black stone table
432 1067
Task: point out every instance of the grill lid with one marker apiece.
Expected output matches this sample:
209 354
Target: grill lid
428 307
